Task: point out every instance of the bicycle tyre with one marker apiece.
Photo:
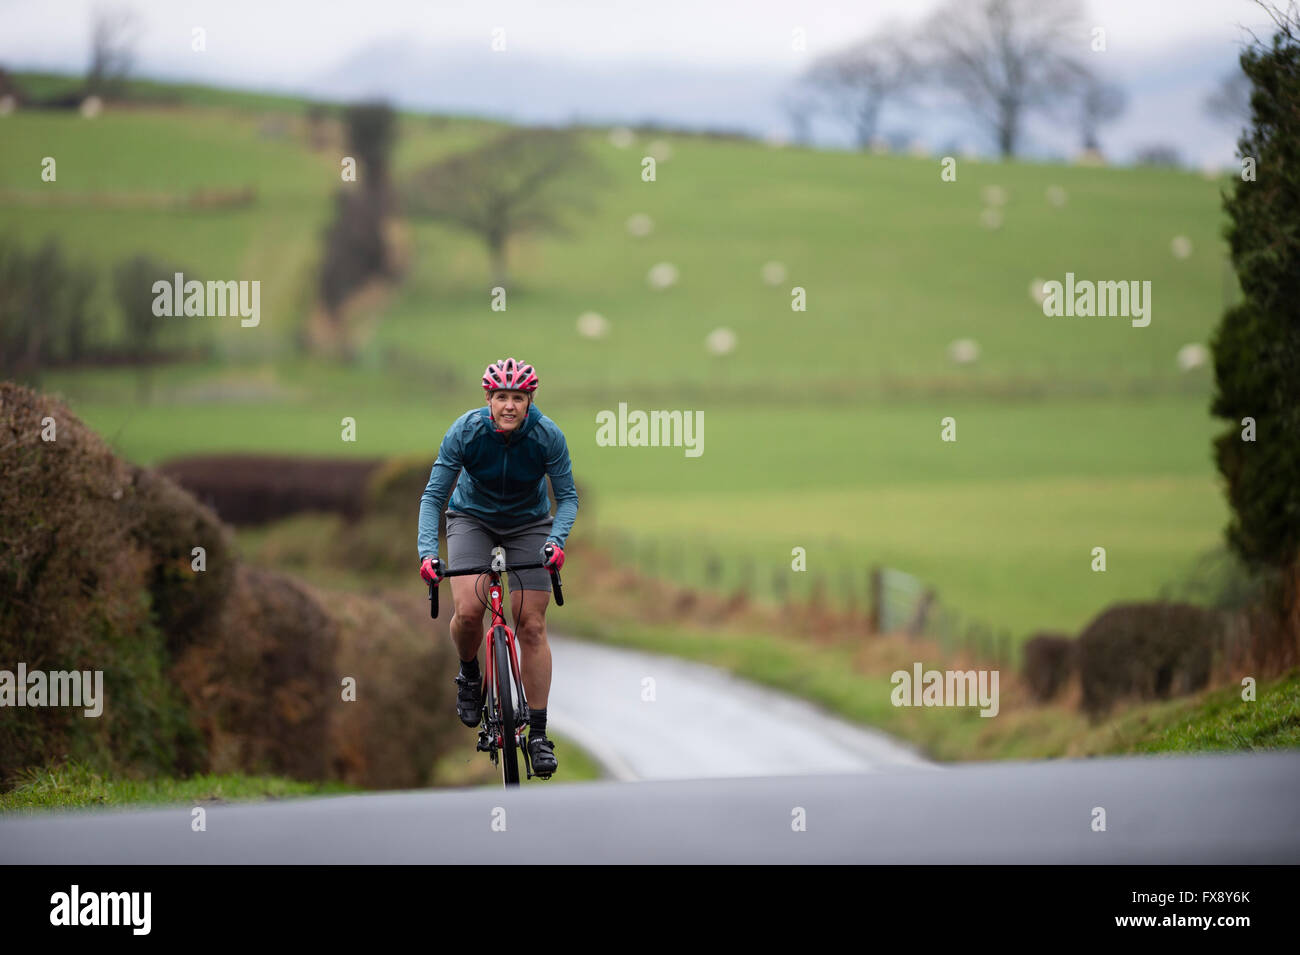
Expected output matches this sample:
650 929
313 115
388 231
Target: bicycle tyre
506 708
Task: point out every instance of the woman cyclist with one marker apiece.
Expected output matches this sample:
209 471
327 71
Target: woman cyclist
502 454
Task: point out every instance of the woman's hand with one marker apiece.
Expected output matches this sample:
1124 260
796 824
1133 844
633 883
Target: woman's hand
556 558
431 570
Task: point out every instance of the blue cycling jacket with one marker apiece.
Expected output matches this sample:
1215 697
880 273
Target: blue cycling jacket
502 477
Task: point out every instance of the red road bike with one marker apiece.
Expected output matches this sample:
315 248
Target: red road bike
501 732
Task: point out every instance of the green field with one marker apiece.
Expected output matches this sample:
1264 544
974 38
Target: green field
821 429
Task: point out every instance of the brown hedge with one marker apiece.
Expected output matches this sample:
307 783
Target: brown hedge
228 668
261 685
254 489
1049 661
81 573
1146 651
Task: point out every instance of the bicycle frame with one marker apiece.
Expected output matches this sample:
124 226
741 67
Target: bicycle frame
493 730
492 737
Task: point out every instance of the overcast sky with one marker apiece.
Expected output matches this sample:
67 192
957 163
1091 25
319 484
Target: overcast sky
285 39
347 48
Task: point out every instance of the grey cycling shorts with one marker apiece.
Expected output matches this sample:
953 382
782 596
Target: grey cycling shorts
470 543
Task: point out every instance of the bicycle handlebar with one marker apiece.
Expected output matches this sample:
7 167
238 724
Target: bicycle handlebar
555 582
487 569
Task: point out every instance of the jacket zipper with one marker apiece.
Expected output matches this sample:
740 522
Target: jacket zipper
505 459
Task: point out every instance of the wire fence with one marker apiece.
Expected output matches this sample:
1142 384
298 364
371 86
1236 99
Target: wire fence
884 599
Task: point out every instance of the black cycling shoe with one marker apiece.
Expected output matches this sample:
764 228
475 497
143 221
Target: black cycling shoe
469 700
541 753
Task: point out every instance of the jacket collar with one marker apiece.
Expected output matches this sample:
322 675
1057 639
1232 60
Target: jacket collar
530 419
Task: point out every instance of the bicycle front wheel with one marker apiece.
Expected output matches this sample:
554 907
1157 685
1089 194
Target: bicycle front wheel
506 708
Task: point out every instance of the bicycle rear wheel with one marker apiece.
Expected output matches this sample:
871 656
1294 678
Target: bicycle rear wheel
506 708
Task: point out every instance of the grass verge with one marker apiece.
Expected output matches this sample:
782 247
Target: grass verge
1217 720
75 786
469 768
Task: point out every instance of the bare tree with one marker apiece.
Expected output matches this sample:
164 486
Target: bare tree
1099 103
518 183
1008 57
859 79
800 105
113 35
1230 100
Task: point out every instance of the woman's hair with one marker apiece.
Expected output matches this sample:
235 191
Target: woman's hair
529 394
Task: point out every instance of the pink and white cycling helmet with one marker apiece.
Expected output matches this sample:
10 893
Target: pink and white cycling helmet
506 374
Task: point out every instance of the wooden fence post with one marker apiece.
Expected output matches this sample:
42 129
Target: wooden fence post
877 599
916 626
712 569
818 598
780 585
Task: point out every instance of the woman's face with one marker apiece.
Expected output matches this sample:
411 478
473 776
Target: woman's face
508 408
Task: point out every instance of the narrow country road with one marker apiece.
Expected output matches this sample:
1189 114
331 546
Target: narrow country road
700 722
1237 809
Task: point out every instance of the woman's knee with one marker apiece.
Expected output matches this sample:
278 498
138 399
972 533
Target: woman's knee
463 622
532 628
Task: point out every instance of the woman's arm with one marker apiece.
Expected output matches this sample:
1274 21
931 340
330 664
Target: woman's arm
560 470
441 477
